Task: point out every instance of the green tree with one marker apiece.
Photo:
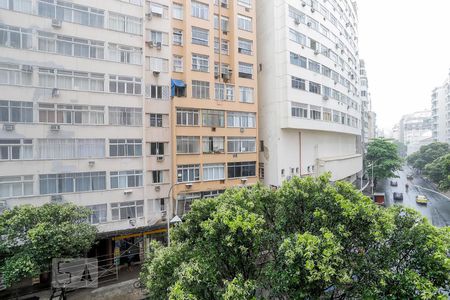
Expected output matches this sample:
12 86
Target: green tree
427 154
30 237
439 171
307 240
383 153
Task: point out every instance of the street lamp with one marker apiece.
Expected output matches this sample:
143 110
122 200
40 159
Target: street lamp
372 162
176 219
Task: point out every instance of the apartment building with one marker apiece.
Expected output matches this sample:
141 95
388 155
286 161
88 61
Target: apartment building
310 109
82 115
214 104
365 102
415 130
440 113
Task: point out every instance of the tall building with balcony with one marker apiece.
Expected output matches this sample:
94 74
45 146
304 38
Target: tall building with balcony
214 104
365 102
440 113
84 118
310 109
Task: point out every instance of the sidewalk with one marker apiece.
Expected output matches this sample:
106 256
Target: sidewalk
121 289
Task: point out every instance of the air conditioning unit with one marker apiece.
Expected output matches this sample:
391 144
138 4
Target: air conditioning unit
157 188
55 92
242 130
309 24
160 158
225 31
158 45
235 155
342 51
156 72
56 23
247 9
149 15
335 83
55 127
9 127
226 76
303 3
297 20
213 128
56 198
337 46
222 181
216 76
150 44
316 52
224 4
325 98
313 9
27 68
127 192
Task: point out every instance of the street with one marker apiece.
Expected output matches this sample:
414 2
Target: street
438 208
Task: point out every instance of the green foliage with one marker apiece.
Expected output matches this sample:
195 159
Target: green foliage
30 237
307 240
383 153
439 171
427 154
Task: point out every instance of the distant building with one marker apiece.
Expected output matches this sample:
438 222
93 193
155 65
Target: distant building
396 132
415 130
440 113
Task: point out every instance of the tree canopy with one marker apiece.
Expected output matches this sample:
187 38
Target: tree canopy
383 153
439 171
427 154
308 239
30 237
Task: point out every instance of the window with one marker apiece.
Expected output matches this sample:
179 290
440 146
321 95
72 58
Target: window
157 176
158 37
213 118
336 116
297 37
245 23
69 12
188 173
16 111
200 36
297 15
12 74
298 83
327 114
299 110
213 172
157 148
98 213
245 70
245 46
188 145
158 10
127 116
70 148
125 85
315 112
127 210
14 186
326 71
17 5
71 80
224 21
246 94
200 63
157 64
213 144
241 169
177 63
298 60
245 3
126 179
200 10
125 147
15 37
125 54
187 117
177 11
314 87
157 92
224 47
16 149
241 119
71 114
326 91
177 37
156 120
224 92
241 144
124 23
185 201
72 182
200 89
314 66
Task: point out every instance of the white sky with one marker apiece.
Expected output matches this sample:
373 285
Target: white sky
407 53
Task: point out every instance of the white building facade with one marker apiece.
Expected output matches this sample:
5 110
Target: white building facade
310 110
440 113
415 130
79 115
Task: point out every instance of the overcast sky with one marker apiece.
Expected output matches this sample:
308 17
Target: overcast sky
407 53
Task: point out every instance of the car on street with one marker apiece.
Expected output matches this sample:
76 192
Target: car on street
394 183
421 199
410 177
398 196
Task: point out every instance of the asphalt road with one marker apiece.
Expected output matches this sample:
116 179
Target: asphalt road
438 208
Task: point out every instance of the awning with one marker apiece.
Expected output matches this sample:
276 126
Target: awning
178 83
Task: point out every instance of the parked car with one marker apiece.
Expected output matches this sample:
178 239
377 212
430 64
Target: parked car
398 196
394 183
410 176
421 199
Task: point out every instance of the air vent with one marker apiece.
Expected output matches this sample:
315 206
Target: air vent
56 198
55 127
156 72
9 127
157 188
27 68
56 23
160 158
55 93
